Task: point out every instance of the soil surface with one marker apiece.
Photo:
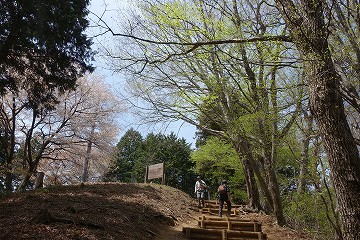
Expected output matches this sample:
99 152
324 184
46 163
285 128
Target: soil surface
107 211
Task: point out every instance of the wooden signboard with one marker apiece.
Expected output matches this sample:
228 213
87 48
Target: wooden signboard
155 171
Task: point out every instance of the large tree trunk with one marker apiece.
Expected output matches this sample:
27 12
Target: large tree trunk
327 107
310 32
24 182
39 182
29 173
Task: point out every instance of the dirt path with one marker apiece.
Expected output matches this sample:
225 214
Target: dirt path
175 233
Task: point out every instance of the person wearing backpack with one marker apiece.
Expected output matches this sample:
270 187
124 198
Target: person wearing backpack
200 189
223 196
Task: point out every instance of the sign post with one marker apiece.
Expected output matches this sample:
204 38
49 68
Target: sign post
155 171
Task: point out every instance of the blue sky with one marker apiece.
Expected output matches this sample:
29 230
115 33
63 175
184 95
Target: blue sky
126 121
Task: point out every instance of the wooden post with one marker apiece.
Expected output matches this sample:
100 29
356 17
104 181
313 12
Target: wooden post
224 234
255 227
229 225
146 174
163 175
188 232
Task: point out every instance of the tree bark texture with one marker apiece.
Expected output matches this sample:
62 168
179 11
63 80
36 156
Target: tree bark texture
309 32
39 181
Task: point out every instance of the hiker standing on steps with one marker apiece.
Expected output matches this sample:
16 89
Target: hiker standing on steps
200 188
223 196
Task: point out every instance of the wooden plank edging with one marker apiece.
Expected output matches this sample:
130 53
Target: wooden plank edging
201 233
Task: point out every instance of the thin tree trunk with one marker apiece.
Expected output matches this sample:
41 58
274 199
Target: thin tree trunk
329 204
304 155
85 175
28 156
251 187
269 159
10 133
244 149
275 193
8 181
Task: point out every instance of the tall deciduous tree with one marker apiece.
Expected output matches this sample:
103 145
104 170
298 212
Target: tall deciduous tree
85 131
308 27
226 85
309 24
61 137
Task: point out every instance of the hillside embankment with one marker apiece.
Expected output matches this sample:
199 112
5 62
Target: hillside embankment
109 211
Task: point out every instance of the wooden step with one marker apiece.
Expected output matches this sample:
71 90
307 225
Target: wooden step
226 219
222 234
230 225
215 204
225 205
216 211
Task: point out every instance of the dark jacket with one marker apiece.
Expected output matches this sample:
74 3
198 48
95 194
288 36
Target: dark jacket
226 190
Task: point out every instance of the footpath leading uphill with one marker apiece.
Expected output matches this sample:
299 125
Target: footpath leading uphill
125 211
242 224
224 228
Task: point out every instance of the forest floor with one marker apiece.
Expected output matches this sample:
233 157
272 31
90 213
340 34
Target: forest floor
132 211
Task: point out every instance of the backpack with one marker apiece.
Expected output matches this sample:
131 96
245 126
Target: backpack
203 186
222 189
